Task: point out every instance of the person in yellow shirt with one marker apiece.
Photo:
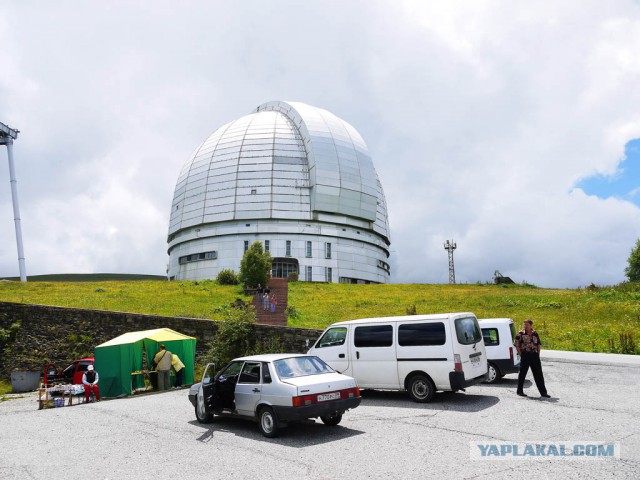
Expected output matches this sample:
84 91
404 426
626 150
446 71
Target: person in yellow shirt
178 367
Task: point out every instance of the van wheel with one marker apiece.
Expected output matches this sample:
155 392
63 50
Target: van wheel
331 420
421 389
494 374
267 422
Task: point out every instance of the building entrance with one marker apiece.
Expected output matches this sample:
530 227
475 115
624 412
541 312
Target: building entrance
281 267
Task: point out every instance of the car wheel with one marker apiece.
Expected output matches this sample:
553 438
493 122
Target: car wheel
331 420
421 389
267 422
494 374
201 414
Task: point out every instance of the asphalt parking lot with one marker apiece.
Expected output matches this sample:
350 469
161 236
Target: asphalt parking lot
388 436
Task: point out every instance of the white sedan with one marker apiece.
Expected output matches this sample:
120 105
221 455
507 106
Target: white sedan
275 389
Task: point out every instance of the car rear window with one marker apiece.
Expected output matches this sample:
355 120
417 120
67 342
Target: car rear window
467 330
300 367
421 334
490 336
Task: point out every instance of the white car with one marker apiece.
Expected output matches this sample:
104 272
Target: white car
275 389
498 335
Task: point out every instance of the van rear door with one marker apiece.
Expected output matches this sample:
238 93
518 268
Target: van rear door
469 347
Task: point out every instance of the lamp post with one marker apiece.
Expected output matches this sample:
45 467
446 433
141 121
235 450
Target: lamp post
7 136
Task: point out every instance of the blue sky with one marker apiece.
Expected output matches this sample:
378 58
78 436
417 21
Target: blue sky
624 184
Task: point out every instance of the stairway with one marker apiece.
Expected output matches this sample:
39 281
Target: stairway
279 287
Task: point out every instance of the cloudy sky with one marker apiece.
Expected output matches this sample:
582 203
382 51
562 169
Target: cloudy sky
510 127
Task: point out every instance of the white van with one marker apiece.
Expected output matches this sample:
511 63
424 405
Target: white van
417 353
498 334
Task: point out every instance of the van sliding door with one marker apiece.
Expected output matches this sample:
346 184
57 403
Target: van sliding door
373 356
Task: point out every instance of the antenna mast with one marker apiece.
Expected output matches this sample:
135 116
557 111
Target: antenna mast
7 136
450 247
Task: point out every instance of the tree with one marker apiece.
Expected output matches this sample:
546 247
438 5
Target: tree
255 266
633 270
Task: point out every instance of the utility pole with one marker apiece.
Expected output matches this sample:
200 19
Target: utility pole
450 247
7 136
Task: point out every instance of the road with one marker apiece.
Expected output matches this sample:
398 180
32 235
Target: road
388 436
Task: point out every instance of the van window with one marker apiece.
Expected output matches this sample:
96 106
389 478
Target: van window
374 336
421 334
490 336
467 330
333 337
512 327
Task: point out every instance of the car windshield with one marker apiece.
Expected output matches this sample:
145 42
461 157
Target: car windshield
300 367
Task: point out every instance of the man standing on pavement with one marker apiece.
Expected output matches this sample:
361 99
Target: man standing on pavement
528 344
163 367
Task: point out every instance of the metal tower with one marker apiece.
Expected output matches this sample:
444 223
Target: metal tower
450 247
7 136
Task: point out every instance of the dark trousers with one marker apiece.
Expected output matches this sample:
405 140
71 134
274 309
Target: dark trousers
531 359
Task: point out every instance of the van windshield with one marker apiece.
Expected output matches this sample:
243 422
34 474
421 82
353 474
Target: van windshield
332 337
468 330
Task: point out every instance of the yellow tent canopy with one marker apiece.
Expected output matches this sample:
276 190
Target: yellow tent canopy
117 358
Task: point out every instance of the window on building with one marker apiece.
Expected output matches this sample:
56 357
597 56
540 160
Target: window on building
267 245
308 249
194 257
327 250
329 274
309 274
288 249
246 245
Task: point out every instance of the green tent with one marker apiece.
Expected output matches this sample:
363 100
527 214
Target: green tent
117 359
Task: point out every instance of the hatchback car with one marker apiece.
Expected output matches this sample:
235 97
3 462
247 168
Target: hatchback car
274 389
72 373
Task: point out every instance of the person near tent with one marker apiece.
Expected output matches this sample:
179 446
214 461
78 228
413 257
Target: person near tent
178 368
162 361
90 381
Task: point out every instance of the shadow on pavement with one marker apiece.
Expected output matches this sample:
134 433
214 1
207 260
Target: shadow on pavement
296 434
459 401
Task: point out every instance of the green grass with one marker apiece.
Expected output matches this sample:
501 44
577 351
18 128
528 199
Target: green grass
582 319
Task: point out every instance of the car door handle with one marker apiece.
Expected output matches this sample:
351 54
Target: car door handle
256 390
358 355
341 355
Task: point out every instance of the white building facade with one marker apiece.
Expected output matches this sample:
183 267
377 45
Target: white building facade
294 177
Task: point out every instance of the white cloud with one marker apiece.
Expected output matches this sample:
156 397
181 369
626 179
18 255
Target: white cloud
480 119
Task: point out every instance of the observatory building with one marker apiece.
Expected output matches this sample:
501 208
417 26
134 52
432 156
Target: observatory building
294 177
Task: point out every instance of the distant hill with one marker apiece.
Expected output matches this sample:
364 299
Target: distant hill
86 277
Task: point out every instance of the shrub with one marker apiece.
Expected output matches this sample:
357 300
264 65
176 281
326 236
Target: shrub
412 310
235 336
292 277
227 277
291 312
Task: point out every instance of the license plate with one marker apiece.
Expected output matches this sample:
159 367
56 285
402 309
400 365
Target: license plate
475 359
328 396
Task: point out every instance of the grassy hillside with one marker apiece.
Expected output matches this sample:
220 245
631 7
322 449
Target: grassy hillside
584 319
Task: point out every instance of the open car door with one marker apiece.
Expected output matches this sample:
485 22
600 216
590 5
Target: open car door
205 398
